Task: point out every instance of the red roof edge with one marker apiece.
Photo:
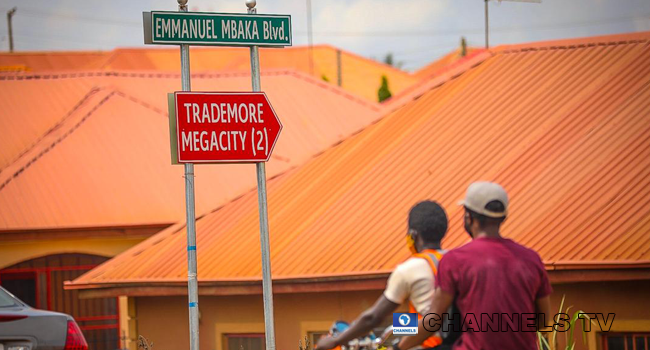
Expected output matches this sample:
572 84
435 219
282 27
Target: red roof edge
591 265
614 39
373 281
560 266
199 74
451 71
446 74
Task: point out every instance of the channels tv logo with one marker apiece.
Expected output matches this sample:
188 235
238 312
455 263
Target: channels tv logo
405 323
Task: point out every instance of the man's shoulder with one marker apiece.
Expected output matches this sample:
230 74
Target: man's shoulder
413 269
484 246
412 263
523 250
467 248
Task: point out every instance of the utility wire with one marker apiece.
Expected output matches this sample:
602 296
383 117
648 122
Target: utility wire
108 21
523 27
420 33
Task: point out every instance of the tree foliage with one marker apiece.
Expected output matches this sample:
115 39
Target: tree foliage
390 60
384 92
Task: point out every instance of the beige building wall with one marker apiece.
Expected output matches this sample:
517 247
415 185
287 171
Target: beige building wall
164 320
19 246
629 300
16 252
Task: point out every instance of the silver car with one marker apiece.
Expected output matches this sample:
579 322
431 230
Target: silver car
25 328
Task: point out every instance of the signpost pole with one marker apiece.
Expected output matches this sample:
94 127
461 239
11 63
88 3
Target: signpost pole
487 28
192 284
269 327
164 27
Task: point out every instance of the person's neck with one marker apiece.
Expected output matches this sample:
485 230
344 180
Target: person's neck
430 246
488 232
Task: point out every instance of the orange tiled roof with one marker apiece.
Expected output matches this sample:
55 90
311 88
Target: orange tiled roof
361 76
23 122
92 148
564 126
436 78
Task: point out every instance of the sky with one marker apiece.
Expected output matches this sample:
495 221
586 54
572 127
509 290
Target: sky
416 32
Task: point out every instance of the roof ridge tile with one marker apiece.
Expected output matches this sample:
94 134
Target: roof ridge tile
564 44
57 125
46 145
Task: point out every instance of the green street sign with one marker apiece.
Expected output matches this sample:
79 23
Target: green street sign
223 29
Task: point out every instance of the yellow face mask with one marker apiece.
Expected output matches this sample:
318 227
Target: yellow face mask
410 243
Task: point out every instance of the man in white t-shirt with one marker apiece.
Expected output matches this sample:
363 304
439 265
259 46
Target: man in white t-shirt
412 280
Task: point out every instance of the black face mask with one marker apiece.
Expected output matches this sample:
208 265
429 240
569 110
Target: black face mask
467 224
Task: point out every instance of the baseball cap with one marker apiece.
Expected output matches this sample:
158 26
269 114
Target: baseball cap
479 194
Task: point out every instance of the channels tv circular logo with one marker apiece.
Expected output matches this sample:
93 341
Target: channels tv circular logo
404 320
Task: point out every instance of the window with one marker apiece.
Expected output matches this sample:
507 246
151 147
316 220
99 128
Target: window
245 341
23 286
626 341
6 300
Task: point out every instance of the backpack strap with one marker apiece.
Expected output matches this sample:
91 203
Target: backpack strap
432 256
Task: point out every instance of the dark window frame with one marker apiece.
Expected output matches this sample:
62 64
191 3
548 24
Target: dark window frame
244 335
311 336
625 335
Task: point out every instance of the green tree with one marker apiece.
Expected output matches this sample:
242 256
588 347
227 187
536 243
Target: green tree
389 60
383 93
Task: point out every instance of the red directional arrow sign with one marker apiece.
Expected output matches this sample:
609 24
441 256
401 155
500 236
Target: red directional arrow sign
223 127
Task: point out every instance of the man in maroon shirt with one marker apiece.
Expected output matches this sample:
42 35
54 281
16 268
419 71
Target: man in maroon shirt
500 286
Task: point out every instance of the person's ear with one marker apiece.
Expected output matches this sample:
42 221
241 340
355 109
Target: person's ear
410 241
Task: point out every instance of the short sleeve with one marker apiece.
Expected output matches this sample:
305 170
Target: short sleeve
445 279
545 288
397 288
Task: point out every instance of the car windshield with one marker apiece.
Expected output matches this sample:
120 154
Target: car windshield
6 300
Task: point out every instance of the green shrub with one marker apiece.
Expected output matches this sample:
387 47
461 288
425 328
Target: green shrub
383 93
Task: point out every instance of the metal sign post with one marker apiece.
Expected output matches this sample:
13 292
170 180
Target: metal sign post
192 285
269 326
203 111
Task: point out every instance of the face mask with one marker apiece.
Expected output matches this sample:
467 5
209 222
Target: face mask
410 243
467 224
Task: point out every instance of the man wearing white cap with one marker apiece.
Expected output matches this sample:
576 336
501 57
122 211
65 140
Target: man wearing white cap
490 275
